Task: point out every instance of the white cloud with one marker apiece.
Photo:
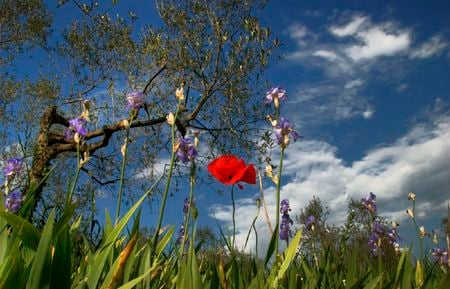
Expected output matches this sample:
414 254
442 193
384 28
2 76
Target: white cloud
354 83
349 29
417 162
330 55
368 113
430 48
377 42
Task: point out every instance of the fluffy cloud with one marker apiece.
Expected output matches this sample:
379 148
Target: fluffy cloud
377 42
358 51
418 162
350 28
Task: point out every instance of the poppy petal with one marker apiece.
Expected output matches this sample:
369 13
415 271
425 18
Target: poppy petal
225 168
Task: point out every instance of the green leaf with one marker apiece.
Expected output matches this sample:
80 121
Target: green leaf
101 255
25 230
271 247
134 282
41 268
62 260
164 241
373 283
290 254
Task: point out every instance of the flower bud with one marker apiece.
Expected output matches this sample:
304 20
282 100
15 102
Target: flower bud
422 232
179 93
411 196
76 137
125 123
170 119
123 149
410 213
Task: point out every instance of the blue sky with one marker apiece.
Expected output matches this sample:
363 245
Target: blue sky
368 88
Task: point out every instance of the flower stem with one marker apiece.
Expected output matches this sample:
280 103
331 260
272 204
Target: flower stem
122 172
417 230
166 189
278 189
188 216
234 221
69 196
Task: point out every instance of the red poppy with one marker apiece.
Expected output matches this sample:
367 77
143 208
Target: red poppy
229 170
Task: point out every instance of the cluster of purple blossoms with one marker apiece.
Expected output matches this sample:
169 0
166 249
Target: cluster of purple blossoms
13 202
439 255
286 221
76 125
380 232
369 203
283 130
135 99
186 150
12 168
10 171
310 223
186 206
276 94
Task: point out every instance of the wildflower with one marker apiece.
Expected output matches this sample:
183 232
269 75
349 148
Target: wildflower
185 150
310 222
411 196
230 170
283 130
179 93
378 230
393 235
76 126
170 119
125 123
186 205
135 99
272 121
284 207
196 139
85 159
422 232
369 203
276 94
439 255
180 235
410 213
286 221
12 168
13 202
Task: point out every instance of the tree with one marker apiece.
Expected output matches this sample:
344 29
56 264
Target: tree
218 48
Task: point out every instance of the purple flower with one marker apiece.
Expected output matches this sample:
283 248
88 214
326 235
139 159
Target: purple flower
283 130
284 206
439 255
378 231
135 99
186 205
13 202
276 94
180 235
186 150
76 125
369 203
310 222
12 168
286 221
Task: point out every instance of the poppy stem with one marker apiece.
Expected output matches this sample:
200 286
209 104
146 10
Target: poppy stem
234 212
